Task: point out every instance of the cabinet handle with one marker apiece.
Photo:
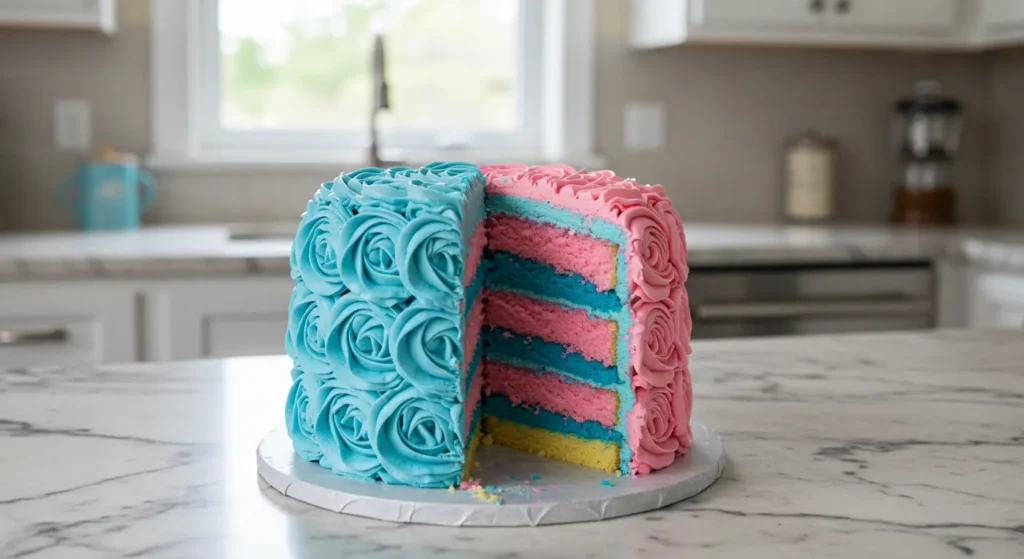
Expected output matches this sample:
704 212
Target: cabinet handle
30 337
843 6
817 6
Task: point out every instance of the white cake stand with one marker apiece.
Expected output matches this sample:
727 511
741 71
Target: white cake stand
534 491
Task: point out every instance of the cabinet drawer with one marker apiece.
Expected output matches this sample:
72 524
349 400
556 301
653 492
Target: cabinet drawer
66 324
49 340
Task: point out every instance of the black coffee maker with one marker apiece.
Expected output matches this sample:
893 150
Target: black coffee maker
927 126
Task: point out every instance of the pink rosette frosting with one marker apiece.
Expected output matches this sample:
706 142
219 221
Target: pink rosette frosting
654 269
658 430
593 193
657 347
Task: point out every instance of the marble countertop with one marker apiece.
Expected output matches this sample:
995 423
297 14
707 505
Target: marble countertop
908 445
264 248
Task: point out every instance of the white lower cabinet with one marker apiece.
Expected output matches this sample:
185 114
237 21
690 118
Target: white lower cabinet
216 318
67 323
996 300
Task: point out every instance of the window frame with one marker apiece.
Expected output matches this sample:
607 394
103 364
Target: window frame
555 101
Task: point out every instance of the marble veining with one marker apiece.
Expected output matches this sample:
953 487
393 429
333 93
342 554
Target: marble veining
906 445
224 250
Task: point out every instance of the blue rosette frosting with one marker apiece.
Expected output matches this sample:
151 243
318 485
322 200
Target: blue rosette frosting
454 169
358 348
426 345
419 440
369 266
305 341
300 413
374 188
342 429
430 260
314 256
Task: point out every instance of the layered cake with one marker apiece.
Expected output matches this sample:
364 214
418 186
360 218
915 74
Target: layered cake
539 308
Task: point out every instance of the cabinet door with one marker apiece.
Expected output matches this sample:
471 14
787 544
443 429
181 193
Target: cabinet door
762 14
217 318
997 14
887 16
997 301
66 323
59 14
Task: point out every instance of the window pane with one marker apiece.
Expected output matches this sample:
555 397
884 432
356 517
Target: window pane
451 64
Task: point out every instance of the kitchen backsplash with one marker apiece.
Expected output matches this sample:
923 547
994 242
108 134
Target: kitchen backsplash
729 110
1006 138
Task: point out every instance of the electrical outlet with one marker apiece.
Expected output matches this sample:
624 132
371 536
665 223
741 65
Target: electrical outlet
72 125
644 125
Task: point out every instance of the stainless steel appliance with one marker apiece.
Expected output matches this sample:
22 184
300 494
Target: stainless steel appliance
799 299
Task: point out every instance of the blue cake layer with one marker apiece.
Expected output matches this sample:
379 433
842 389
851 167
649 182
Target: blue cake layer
515 273
537 353
474 368
500 406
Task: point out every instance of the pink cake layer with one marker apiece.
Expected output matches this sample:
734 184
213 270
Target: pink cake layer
476 253
576 329
579 401
567 251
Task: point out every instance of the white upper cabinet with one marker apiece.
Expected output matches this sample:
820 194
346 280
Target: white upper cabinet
1001 22
738 14
938 17
888 24
90 15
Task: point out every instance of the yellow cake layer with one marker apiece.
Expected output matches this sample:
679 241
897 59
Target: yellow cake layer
602 455
467 468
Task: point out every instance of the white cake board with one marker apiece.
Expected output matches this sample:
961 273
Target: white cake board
535 491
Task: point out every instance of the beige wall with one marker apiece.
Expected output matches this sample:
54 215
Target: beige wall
729 110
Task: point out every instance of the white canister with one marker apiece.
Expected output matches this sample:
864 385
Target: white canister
810 182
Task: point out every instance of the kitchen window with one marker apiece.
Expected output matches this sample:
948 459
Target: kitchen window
244 83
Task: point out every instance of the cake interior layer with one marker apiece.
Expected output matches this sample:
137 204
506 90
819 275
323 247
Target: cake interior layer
536 353
560 247
579 330
501 406
517 273
580 401
599 454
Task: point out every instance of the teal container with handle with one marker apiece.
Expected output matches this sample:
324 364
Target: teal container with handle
109 192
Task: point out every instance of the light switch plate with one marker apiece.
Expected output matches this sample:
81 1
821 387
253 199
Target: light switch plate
72 125
644 124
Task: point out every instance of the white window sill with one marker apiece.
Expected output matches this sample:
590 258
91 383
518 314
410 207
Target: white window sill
336 162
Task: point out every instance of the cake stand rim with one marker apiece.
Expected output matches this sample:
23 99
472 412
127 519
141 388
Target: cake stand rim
706 447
